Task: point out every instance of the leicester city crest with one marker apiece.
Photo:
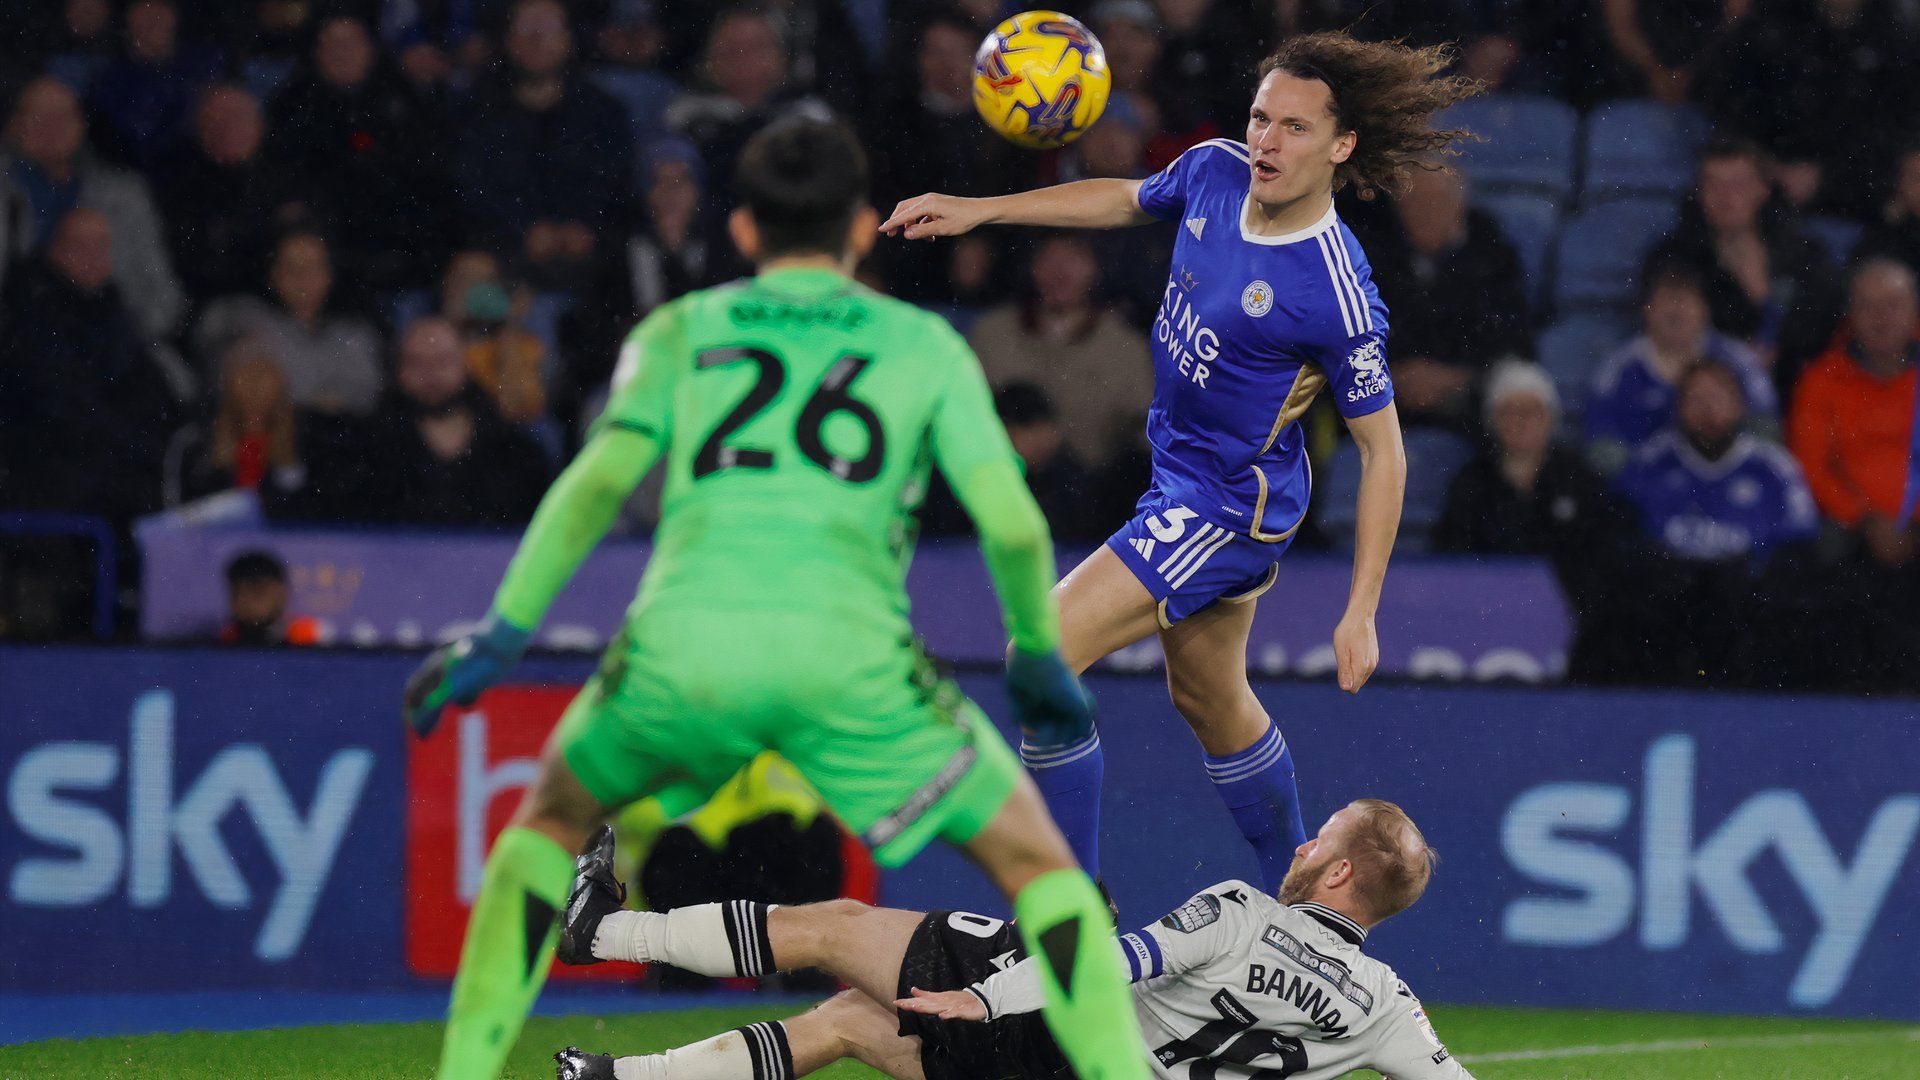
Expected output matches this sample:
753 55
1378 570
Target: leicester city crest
1257 299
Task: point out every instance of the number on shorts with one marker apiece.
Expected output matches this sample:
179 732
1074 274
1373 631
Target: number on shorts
976 925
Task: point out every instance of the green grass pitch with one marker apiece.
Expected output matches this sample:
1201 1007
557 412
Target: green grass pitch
1494 1043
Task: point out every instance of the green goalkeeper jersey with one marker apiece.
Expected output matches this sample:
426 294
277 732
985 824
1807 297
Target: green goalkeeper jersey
799 414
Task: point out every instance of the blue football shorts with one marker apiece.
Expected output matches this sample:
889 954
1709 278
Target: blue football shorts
1189 563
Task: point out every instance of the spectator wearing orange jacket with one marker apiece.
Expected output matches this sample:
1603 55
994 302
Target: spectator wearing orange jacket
1853 412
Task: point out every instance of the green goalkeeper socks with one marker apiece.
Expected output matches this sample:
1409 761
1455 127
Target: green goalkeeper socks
1088 1006
508 950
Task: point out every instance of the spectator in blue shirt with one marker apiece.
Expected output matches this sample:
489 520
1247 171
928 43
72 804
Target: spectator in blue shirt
1707 491
146 94
1633 397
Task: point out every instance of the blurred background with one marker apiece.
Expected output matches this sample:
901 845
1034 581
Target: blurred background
303 304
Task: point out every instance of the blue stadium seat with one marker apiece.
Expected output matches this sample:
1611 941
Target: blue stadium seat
1640 149
1837 235
1433 458
646 95
1597 261
77 70
264 76
1571 351
1528 143
1529 222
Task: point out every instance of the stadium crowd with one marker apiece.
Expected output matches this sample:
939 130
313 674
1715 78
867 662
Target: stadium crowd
372 259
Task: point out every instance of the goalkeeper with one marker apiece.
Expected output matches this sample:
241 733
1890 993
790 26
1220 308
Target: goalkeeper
798 414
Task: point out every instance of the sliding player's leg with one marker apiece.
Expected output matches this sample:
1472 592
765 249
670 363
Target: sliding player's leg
1067 927
1246 756
848 1025
946 774
1103 608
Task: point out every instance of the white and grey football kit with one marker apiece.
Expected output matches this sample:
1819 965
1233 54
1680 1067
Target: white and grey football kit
1236 983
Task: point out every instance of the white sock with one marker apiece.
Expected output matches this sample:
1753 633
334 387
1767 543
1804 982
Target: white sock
755 1052
720 940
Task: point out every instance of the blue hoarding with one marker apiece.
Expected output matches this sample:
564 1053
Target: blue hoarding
197 819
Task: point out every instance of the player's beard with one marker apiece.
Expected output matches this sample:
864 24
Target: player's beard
1301 877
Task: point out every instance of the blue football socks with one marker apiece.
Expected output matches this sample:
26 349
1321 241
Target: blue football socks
1068 777
1257 786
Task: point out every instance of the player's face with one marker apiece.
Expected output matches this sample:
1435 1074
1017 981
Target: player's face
1293 139
1311 859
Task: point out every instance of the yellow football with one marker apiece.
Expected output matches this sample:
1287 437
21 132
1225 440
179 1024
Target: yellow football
1040 79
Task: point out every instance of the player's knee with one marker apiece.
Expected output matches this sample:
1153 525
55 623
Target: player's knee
838 1021
559 805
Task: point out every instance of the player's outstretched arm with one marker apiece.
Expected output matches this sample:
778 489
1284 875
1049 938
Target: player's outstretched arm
1383 483
1083 204
572 519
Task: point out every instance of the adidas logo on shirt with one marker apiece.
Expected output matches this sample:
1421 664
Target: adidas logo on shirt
1195 225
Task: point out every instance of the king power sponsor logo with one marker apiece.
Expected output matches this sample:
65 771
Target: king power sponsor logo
95 847
1563 836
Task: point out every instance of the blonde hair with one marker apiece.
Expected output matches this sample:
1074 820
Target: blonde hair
1391 860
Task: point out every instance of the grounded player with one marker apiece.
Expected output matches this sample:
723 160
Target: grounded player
1233 979
798 414
1269 301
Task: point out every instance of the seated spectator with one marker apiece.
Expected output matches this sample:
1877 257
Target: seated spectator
1896 235
1827 81
1060 483
1658 48
332 360
545 157
257 599
252 443
1709 492
358 146
1206 49
1716 507
145 95
1133 262
46 172
81 398
504 359
224 205
675 247
1457 294
823 48
743 81
1076 351
1527 494
1853 416
934 141
1766 281
438 453
1632 398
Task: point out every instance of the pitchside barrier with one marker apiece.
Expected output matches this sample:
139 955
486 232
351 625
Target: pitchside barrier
1450 618
182 819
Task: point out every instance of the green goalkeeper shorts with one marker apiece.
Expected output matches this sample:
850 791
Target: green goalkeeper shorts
683 700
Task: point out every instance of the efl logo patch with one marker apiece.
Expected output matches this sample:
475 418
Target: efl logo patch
1257 299
1196 914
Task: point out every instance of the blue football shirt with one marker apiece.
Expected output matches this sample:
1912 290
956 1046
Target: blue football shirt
1250 329
1750 501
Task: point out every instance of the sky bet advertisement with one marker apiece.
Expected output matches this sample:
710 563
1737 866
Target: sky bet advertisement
182 819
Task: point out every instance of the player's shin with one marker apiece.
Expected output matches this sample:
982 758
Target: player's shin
1258 787
720 940
1088 1006
509 946
754 1052
1069 778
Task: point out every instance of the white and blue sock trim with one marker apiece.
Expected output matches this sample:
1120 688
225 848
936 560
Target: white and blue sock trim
1052 757
1239 766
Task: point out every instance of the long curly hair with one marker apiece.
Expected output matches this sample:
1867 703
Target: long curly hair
1385 92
